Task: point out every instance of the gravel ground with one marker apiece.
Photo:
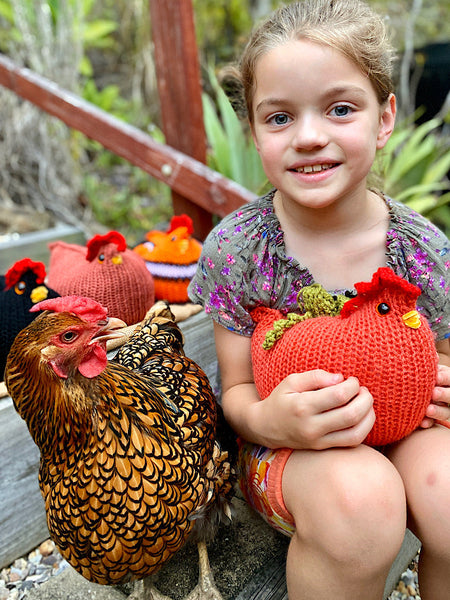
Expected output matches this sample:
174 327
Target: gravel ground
45 562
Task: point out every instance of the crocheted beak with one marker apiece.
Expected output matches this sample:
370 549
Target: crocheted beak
412 319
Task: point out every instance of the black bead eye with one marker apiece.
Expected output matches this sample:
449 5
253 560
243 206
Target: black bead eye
383 308
101 257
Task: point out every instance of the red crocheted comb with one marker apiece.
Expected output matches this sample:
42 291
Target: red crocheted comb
86 308
20 267
181 221
384 278
98 241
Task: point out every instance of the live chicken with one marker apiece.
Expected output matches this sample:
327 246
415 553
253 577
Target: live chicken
130 462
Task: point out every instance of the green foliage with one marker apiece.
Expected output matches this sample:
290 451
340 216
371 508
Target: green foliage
125 198
414 166
231 148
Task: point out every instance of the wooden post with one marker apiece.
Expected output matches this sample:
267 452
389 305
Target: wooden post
179 88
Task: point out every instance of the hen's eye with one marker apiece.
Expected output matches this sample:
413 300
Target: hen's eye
69 336
101 257
383 308
20 288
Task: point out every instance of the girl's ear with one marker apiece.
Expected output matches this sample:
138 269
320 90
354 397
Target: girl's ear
387 121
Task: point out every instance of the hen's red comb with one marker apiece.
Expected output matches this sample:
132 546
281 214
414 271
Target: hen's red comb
384 278
86 308
20 267
113 237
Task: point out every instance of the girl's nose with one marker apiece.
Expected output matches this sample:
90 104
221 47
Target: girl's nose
309 133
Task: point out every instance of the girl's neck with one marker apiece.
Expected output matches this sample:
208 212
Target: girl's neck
339 244
338 219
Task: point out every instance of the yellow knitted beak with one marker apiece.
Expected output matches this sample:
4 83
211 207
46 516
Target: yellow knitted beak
117 259
38 294
412 319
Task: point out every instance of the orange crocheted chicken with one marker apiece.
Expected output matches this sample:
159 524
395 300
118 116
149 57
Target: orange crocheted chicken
378 337
131 465
171 258
105 270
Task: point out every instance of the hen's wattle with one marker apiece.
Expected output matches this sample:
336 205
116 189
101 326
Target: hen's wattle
379 337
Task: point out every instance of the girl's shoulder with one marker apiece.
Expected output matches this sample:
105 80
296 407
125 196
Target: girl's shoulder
410 229
247 225
420 252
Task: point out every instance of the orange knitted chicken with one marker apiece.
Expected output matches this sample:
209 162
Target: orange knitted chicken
378 337
105 270
171 257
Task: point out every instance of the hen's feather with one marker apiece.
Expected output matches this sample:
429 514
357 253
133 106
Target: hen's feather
129 459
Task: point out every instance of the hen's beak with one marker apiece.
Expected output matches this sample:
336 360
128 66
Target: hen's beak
412 319
110 331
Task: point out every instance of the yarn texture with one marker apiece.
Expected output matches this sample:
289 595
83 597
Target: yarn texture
20 289
171 257
105 270
378 337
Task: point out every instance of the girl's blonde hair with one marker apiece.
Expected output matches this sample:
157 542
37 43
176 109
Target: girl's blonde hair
349 26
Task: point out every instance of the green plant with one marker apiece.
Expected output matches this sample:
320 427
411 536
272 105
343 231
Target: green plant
231 148
414 168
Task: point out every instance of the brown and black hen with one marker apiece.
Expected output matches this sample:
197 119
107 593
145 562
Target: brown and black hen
130 463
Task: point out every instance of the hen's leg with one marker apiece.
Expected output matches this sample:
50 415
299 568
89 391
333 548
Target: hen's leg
206 588
145 590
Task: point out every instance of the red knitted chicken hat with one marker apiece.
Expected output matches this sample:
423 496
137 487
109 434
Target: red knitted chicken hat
379 337
105 270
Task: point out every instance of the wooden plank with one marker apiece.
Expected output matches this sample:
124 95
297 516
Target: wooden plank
179 88
22 514
187 176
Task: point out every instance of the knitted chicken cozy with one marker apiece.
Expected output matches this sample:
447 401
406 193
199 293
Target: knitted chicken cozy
105 270
171 257
378 337
20 288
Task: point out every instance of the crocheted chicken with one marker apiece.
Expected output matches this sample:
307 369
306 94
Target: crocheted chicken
105 270
378 337
171 257
21 288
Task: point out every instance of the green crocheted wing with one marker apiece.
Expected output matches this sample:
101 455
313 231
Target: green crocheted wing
313 301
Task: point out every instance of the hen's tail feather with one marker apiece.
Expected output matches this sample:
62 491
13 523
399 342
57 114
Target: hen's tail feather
157 332
216 507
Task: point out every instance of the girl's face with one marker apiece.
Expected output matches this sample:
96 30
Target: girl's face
317 123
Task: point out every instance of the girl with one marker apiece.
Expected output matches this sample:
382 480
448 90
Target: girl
317 83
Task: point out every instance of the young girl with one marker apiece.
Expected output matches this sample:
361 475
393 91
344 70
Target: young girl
317 83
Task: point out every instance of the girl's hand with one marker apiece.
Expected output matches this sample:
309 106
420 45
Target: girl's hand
316 410
439 408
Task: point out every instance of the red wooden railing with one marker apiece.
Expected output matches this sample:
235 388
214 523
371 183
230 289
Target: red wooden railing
196 189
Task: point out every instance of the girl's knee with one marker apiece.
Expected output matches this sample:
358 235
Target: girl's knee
355 507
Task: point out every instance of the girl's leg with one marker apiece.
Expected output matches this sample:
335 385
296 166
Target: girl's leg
423 461
350 515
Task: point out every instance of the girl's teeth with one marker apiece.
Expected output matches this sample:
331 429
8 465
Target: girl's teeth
313 168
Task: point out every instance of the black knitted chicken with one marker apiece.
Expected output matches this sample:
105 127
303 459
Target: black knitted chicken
21 288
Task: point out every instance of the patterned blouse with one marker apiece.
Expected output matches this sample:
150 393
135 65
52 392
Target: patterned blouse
244 264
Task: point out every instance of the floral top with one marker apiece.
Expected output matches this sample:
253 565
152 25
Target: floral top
244 264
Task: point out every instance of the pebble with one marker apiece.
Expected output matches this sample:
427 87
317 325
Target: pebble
45 562
28 572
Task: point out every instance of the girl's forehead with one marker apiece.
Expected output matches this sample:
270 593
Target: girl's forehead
304 65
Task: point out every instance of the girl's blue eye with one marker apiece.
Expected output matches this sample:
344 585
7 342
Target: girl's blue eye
341 111
280 119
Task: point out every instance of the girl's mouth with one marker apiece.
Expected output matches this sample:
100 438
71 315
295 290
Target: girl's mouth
315 168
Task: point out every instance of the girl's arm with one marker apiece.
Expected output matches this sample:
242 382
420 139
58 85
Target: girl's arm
439 409
311 410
